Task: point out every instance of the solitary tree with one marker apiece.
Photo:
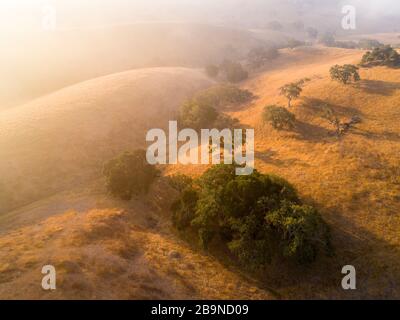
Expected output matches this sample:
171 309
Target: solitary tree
341 127
292 91
345 74
381 56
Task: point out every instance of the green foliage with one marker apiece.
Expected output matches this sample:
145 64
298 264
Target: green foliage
258 217
292 91
294 43
184 208
259 56
224 95
369 44
381 56
224 121
279 117
233 71
212 70
129 174
200 112
345 74
328 40
197 115
301 230
180 182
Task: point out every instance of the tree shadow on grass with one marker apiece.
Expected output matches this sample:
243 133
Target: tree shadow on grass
384 88
270 157
322 279
374 259
313 106
311 132
382 136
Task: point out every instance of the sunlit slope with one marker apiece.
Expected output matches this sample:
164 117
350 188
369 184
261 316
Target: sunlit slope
354 181
113 250
63 139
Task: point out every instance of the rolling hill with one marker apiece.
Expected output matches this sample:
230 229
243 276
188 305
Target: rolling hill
353 181
66 57
62 139
105 248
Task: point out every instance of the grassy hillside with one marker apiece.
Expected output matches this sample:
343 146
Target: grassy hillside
109 249
66 57
63 139
113 250
354 181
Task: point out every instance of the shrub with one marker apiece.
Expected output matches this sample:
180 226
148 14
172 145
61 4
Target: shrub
345 73
258 57
197 115
234 71
224 121
200 111
212 70
294 43
279 117
180 182
223 95
129 174
382 56
258 217
184 208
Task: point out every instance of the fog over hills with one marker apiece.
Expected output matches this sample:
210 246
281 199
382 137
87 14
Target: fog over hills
125 34
78 93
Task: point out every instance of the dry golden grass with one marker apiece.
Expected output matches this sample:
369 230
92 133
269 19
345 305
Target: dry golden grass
114 251
107 249
354 181
62 140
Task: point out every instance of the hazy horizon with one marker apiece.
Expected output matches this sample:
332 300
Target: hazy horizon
26 15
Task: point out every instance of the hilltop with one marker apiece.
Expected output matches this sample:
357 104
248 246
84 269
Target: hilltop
61 140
